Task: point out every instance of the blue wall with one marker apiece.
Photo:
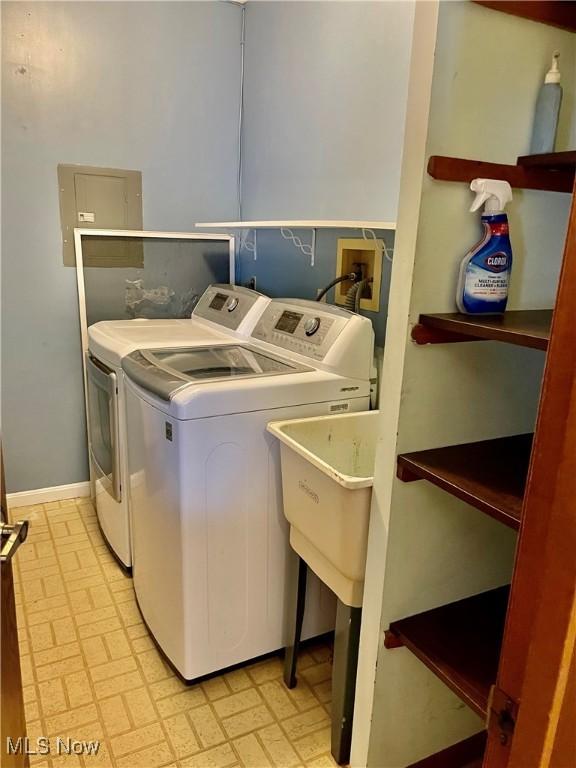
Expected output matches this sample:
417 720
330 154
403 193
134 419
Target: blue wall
282 270
148 85
325 100
154 86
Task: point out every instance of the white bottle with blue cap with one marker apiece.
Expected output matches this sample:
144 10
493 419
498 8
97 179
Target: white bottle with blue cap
485 270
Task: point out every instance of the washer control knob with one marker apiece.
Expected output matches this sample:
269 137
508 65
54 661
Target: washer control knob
232 304
311 325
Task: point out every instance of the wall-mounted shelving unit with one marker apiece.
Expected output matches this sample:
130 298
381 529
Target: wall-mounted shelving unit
552 173
524 328
490 475
299 224
454 397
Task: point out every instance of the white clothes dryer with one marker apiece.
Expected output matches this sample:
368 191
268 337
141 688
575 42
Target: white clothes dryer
223 313
211 548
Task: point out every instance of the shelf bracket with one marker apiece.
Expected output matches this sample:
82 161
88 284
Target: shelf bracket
391 640
307 250
422 334
405 474
246 245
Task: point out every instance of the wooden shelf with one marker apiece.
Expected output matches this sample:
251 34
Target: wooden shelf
490 475
464 754
525 328
547 177
557 14
459 642
553 161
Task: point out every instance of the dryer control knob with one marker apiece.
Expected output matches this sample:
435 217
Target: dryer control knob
233 304
311 325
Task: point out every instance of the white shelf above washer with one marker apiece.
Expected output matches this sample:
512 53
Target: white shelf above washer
299 224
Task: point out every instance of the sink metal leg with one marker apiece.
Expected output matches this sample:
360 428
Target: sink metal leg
344 666
295 619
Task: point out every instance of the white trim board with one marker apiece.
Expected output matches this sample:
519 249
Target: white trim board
44 495
299 224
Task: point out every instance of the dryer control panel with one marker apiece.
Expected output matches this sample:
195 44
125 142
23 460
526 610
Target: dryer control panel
305 327
227 305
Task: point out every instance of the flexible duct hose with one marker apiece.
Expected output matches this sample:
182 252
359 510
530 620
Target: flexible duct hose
351 276
354 295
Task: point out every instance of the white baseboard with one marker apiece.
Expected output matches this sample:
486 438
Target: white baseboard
44 495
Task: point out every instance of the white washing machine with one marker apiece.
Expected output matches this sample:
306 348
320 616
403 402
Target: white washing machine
224 312
211 548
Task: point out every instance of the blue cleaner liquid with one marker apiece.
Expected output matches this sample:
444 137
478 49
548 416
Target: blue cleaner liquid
485 270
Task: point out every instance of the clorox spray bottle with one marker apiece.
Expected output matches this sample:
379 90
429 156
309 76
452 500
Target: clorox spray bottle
485 270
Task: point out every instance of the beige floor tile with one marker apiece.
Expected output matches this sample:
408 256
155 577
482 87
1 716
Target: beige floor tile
113 669
251 753
114 685
78 689
215 688
152 757
318 673
305 723
218 757
117 644
324 761
237 725
181 735
67 722
323 691
58 653
52 697
278 746
181 702
59 668
237 702
94 651
313 744
136 739
92 671
276 696
115 715
140 706
206 726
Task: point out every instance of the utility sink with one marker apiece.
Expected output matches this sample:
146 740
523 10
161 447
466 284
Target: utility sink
327 475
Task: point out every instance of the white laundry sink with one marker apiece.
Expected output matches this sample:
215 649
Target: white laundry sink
327 474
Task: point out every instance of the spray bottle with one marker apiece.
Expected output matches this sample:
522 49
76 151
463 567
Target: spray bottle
485 270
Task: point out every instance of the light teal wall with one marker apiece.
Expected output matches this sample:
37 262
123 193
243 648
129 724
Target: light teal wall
325 97
151 86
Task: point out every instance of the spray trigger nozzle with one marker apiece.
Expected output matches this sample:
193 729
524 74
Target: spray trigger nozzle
492 193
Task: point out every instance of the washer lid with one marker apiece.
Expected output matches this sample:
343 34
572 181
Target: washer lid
166 371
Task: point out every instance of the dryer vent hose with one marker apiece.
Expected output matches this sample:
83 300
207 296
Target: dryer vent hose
355 294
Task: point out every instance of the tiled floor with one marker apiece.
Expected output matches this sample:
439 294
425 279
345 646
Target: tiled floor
91 671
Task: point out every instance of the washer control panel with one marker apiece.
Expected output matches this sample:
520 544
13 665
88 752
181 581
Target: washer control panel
226 305
305 327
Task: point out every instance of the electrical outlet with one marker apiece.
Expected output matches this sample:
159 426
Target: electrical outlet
366 254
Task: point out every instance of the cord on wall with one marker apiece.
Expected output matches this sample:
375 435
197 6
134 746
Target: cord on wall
241 111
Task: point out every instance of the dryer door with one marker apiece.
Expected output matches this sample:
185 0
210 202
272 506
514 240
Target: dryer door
103 425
